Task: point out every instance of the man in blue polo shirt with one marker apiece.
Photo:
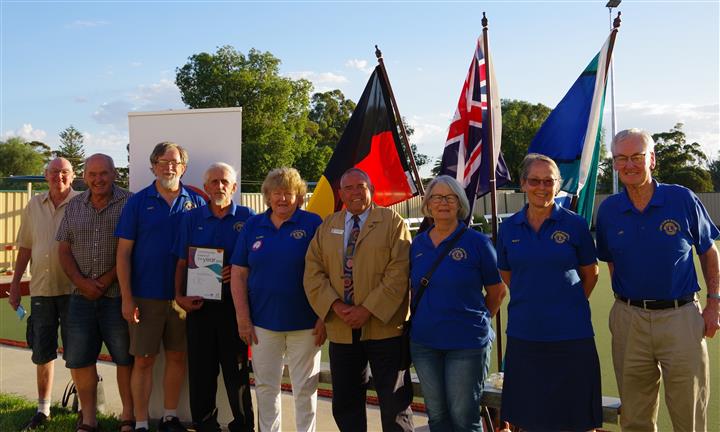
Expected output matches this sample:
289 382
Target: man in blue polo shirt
646 234
212 335
146 272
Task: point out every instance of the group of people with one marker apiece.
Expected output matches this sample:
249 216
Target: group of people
291 280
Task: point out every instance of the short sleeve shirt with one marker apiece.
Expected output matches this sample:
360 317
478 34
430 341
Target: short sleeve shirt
200 227
651 251
40 222
547 300
452 312
90 234
275 258
152 224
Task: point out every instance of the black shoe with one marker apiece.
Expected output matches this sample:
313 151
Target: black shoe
170 424
36 421
141 430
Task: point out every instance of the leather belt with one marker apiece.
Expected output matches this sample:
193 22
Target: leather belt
657 304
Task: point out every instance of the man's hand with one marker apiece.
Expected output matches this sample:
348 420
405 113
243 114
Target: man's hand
356 316
246 330
341 310
711 315
189 303
91 289
106 280
130 311
14 295
226 274
319 332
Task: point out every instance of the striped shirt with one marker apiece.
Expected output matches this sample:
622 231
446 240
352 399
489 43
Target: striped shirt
90 234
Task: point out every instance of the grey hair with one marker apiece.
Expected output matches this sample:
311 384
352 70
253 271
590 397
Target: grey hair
634 132
162 148
531 158
223 166
107 158
59 158
357 171
457 189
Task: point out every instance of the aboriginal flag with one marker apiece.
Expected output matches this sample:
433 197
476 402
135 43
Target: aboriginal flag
370 142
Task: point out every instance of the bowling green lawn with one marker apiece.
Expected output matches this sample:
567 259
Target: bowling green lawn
600 302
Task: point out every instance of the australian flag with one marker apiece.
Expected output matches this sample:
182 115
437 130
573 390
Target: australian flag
466 156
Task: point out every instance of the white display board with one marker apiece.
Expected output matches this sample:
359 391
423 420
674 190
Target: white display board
209 135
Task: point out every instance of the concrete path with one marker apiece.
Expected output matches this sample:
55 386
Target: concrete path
17 376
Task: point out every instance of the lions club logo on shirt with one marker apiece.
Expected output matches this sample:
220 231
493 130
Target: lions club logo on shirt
560 237
458 254
670 227
189 205
238 226
298 234
257 245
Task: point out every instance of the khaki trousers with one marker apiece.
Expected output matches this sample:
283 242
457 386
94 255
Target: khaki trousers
667 344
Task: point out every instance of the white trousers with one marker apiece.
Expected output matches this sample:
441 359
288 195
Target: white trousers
303 359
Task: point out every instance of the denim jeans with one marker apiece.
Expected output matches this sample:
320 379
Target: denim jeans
452 384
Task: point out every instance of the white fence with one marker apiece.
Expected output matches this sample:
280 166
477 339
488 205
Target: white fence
13 202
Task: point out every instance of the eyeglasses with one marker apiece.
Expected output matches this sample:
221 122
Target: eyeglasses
450 199
622 160
545 182
167 163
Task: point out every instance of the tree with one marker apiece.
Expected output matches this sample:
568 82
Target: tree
680 162
72 148
330 111
275 108
19 158
520 122
714 168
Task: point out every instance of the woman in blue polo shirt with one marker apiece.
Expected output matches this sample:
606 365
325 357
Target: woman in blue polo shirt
451 334
547 257
273 314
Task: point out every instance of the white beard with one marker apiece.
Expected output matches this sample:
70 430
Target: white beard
170 184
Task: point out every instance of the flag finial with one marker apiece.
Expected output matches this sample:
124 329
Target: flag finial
378 53
616 22
484 21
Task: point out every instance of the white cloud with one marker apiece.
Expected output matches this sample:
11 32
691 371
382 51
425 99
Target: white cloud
358 64
80 99
26 132
683 111
111 143
158 96
87 23
322 81
136 64
701 123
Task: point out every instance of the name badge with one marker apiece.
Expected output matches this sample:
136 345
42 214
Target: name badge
337 231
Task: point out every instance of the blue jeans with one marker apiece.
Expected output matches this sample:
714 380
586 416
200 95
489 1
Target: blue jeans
452 384
89 324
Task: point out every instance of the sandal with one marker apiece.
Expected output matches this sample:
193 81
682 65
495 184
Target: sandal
87 428
124 424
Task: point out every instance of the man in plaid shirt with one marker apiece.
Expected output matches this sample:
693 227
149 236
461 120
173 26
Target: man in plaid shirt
87 254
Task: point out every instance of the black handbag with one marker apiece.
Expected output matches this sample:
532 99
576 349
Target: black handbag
406 359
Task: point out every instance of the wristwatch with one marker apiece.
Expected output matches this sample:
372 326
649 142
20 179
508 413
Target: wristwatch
713 296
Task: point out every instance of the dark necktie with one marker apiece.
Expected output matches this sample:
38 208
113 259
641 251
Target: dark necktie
348 261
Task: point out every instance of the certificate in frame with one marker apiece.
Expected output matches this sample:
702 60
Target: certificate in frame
204 272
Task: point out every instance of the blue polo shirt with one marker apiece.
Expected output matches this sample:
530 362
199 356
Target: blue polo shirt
276 259
200 227
547 301
652 250
452 312
152 224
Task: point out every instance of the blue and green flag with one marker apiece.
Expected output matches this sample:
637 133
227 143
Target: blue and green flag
571 134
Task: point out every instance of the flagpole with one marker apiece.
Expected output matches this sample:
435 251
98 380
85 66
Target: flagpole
403 132
491 176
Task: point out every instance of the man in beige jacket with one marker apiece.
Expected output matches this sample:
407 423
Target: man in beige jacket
356 279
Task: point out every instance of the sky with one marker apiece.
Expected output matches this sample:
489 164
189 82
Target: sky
89 63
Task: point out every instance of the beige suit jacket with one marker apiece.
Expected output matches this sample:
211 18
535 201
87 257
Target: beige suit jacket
380 274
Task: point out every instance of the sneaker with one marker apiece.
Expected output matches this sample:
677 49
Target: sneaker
36 421
170 424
